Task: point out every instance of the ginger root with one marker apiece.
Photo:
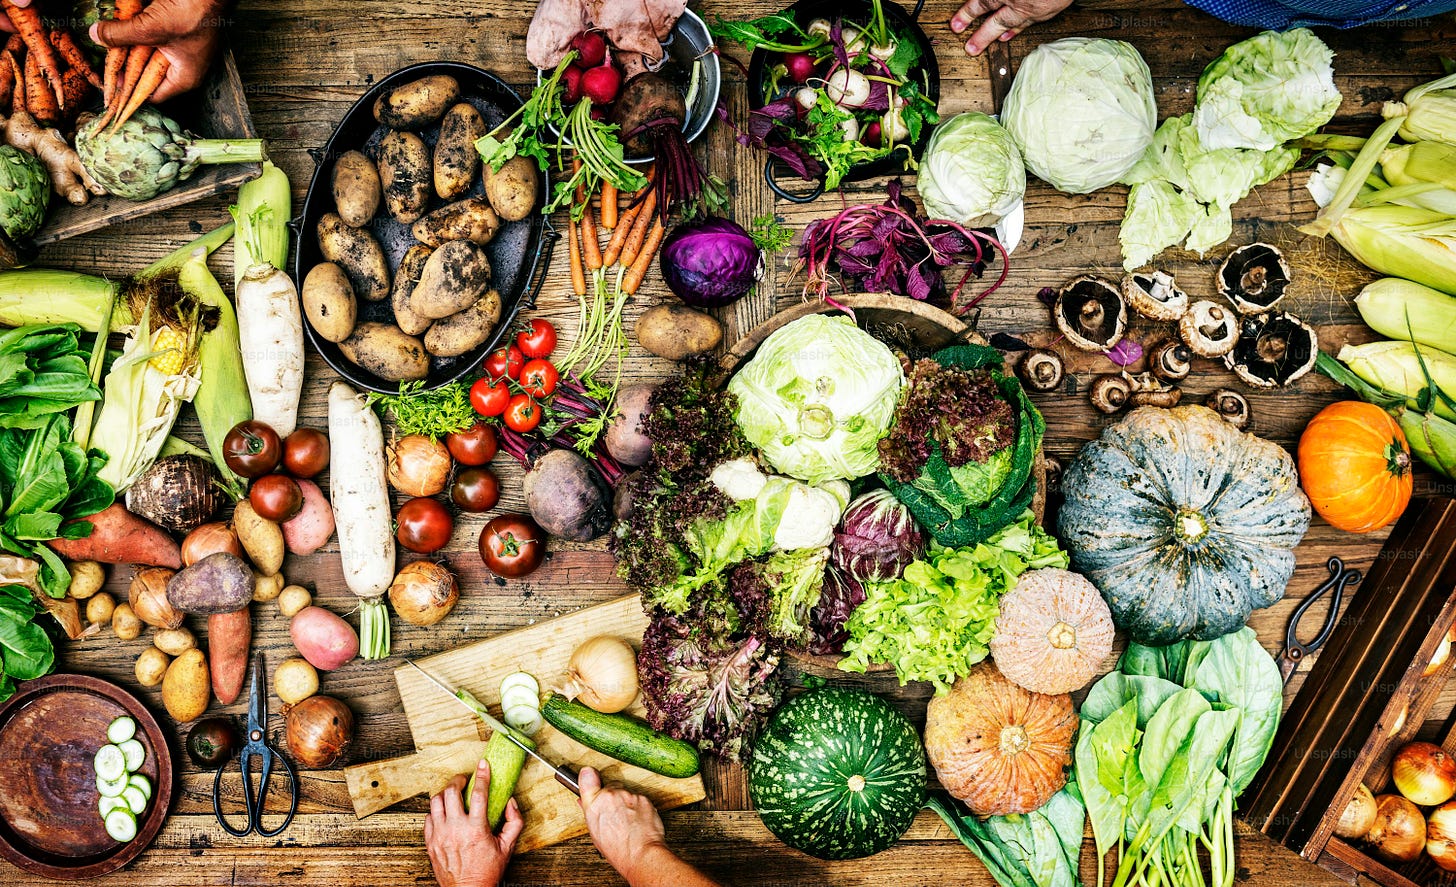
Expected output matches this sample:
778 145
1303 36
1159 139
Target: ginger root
68 177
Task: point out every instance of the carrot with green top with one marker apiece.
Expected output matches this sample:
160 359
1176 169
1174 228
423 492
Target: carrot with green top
638 272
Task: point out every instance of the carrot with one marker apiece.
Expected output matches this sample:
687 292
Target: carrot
136 62
40 101
17 104
73 93
14 44
116 58
638 271
28 25
591 248
619 235
120 537
63 41
151 78
609 205
7 82
639 229
578 276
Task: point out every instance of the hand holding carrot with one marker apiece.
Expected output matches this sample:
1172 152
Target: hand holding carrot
185 33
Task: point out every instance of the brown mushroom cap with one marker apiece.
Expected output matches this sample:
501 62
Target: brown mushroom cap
1273 350
1209 329
1254 278
1110 393
1232 406
1041 369
1091 313
1171 360
1155 296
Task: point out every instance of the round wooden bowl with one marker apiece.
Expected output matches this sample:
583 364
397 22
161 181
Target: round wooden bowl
912 325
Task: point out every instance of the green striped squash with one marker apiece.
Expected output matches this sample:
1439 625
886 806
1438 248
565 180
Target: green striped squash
838 774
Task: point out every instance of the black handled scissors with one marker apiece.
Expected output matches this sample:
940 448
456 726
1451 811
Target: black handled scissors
257 745
1294 651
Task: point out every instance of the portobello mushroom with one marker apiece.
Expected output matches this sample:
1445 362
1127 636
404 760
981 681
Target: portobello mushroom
1091 313
1171 361
1273 350
1155 296
1110 393
1150 391
1041 369
1232 406
1254 278
1209 329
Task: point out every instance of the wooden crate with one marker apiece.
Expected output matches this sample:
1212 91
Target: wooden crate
1369 693
216 109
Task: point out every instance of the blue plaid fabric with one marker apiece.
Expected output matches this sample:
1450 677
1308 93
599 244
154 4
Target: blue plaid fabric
1281 15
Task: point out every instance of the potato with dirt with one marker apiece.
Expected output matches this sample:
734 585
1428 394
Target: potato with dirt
454 278
406 277
465 330
417 103
457 163
387 351
356 188
470 219
357 252
512 188
328 302
677 332
404 174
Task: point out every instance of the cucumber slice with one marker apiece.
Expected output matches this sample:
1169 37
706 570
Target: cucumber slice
110 763
121 824
134 753
519 695
142 784
107 805
135 800
525 718
111 788
520 679
121 729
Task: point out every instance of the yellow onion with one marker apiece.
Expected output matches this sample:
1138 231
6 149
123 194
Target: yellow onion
1399 831
423 593
148 598
1424 773
1438 659
208 539
417 466
602 674
1441 836
1358 815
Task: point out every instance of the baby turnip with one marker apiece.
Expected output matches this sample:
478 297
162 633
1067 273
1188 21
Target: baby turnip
799 65
883 51
854 40
601 84
850 127
847 88
871 134
806 97
893 124
820 27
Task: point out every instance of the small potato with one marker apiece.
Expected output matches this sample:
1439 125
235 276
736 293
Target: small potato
313 526
124 622
151 667
187 688
87 577
219 583
512 188
356 188
470 219
295 680
455 276
322 638
358 253
262 539
328 302
386 351
174 641
460 332
456 160
417 103
100 607
405 279
404 171
293 599
267 588
677 332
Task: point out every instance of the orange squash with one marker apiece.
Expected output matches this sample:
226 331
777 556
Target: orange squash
1355 466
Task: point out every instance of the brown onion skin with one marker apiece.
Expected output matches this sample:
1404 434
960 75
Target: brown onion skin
1358 815
319 729
417 466
1441 836
1439 782
438 589
1399 832
148 598
210 538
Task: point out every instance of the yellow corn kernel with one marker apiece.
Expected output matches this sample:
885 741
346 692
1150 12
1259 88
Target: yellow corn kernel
169 351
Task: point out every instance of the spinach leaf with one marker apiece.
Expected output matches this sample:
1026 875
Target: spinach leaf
999 858
1108 776
26 651
1042 848
1167 730
1115 689
1240 673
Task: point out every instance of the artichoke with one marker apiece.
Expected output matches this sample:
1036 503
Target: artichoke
150 153
25 193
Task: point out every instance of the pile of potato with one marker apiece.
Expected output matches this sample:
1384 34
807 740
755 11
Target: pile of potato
442 294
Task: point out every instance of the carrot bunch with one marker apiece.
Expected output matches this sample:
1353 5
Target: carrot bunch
637 233
42 70
132 74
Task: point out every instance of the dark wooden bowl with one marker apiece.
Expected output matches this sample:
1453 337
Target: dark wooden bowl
49 733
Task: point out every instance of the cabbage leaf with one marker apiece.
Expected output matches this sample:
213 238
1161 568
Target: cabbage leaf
1265 91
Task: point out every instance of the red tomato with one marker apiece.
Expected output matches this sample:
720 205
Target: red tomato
539 378
306 452
276 497
538 339
524 414
475 445
424 525
475 490
252 449
512 545
490 397
505 362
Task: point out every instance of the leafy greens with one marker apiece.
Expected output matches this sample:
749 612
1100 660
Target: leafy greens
1038 849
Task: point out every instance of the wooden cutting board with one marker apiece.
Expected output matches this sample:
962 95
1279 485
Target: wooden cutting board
450 739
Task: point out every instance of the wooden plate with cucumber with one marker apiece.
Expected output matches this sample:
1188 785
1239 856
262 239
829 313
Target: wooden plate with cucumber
85 777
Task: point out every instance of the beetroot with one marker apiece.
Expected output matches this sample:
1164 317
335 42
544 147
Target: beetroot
591 48
800 66
601 84
571 85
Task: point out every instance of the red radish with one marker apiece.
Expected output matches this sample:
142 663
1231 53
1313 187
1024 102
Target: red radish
800 66
871 134
571 85
601 84
591 48
598 114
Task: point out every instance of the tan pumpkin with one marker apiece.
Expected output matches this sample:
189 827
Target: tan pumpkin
998 747
1053 632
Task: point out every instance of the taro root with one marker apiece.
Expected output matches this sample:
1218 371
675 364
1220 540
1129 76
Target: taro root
1040 369
1209 329
1232 406
178 493
1091 313
1254 278
1110 393
1171 361
1155 296
1273 350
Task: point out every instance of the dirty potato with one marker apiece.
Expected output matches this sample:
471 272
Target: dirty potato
405 278
470 219
356 188
512 189
328 302
358 253
456 160
677 332
386 351
417 103
455 276
465 330
404 174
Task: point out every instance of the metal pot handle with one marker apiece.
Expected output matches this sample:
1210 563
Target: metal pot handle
919 5
774 186
549 238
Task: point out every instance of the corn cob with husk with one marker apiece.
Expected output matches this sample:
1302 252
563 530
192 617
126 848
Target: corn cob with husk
1431 438
1426 112
223 400
1406 369
1403 309
1420 163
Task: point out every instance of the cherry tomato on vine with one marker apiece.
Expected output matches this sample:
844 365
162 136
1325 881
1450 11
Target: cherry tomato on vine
523 414
505 361
424 525
538 339
306 452
252 448
539 378
490 397
475 445
512 545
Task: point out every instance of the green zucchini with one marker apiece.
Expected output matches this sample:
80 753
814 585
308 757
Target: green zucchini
623 737
506 761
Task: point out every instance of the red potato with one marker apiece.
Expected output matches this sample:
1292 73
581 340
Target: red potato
322 638
229 635
313 526
120 537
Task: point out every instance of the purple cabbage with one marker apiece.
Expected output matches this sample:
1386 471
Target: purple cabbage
877 538
711 263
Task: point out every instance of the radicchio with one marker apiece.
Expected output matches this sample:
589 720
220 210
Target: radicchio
877 538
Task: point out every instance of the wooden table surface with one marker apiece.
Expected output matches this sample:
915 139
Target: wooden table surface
304 65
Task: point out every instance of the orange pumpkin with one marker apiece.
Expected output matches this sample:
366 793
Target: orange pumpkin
1355 466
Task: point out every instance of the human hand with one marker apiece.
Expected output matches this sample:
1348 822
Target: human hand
623 825
186 32
462 849
1001 19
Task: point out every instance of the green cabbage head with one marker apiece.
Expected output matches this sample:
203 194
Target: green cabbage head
1265 91
972 172
1082 112
817 398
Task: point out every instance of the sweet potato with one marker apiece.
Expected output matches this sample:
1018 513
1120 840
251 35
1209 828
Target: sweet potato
120 537
229 635
313 526
322 638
